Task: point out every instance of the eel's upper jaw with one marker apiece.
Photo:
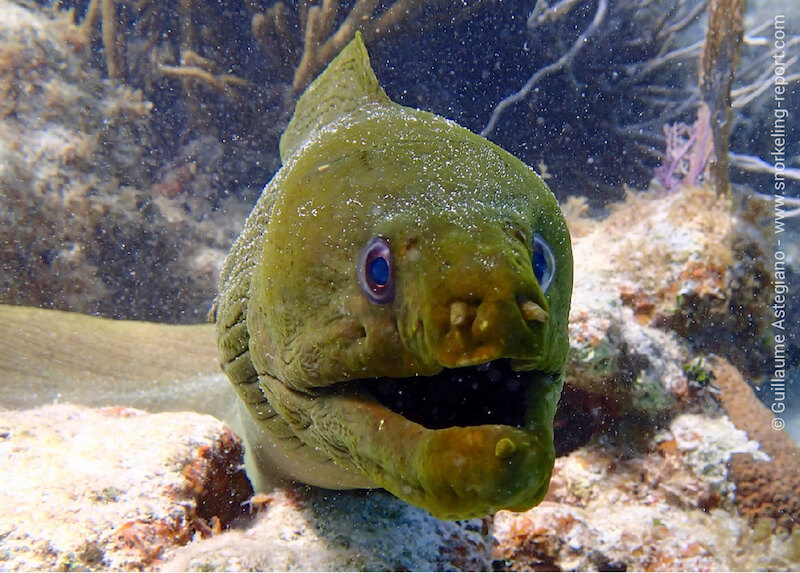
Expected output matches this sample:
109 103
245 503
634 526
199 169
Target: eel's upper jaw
463 443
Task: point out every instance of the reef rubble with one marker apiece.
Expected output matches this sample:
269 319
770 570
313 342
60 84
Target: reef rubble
120 489
112 488
669 509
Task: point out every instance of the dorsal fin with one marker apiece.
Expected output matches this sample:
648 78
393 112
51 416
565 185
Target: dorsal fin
346 84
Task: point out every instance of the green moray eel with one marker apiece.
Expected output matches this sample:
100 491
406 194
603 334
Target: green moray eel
394 313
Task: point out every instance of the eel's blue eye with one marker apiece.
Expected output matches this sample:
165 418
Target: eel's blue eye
544 262
378 271
375 271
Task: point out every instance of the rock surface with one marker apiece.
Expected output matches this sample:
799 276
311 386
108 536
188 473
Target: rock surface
654 282
84 208
112 488
765 488
119 489
320 530
670 509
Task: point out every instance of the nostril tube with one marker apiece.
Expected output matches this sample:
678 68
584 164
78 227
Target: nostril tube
532 312
458 313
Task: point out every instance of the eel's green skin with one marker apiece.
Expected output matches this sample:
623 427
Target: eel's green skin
292 323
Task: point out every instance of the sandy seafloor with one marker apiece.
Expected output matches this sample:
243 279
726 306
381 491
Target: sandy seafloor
668 456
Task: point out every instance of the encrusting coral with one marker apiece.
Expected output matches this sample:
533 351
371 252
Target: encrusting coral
667 505
703 490
766 489
669 269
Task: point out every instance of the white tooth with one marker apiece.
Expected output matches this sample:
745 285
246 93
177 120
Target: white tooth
458 313
533 312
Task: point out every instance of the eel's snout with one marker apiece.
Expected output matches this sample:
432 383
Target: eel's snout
481 307
481 331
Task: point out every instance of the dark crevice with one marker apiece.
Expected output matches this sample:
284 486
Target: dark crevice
580 416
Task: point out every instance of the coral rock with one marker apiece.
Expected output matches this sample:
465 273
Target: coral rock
112 488
117 488
667 508
655 280
766 488
81 209
341 531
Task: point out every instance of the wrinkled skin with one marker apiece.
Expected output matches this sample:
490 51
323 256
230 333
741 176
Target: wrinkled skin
296 331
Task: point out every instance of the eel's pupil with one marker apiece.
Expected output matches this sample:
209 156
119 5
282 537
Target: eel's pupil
539 262
374 270
544 262
379 271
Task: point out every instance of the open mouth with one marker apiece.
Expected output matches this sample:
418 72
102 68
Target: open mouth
489 393
464 442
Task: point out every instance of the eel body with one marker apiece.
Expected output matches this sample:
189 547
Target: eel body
51 356
394 313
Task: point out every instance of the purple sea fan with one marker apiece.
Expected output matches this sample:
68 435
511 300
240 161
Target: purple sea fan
688 152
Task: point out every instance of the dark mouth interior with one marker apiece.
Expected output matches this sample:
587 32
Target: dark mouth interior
490 393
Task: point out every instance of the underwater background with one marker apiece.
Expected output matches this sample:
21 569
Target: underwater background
135 137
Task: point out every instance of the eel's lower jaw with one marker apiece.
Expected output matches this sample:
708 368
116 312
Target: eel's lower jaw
464 443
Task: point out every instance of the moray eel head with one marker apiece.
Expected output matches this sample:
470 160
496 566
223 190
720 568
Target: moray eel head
406 308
